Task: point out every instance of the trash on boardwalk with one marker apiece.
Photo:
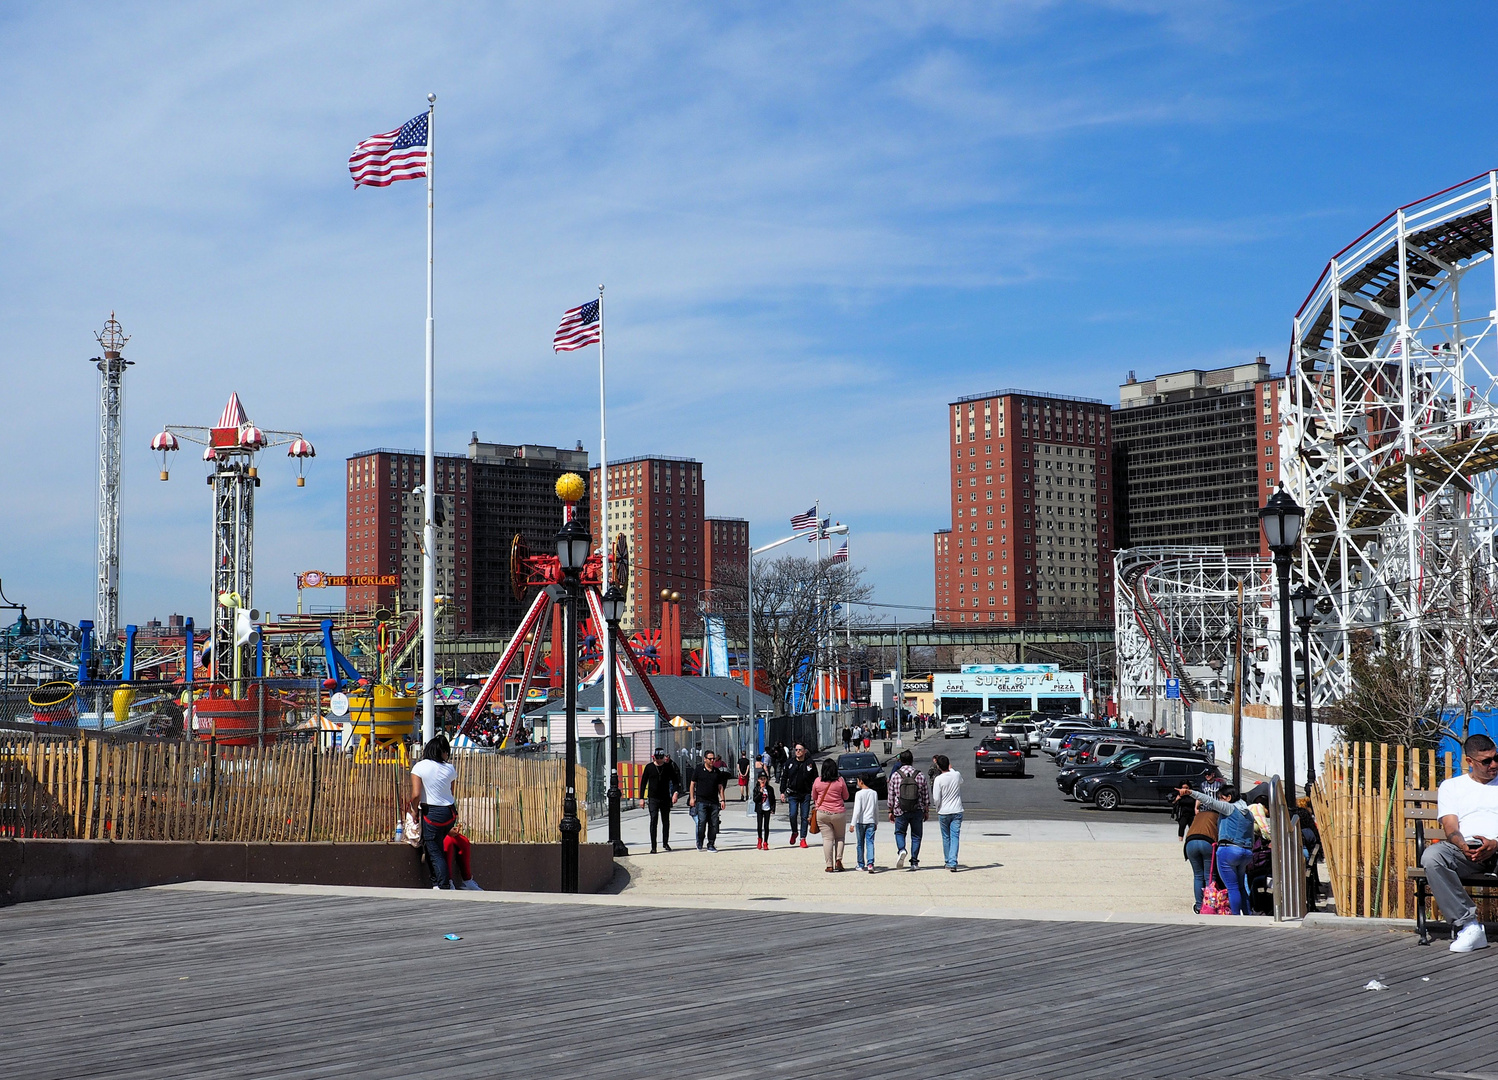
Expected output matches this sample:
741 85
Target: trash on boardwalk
455 937
1373 984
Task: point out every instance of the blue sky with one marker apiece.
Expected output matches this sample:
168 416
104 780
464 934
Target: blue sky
818 224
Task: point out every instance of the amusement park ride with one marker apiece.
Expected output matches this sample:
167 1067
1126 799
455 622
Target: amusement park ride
544 574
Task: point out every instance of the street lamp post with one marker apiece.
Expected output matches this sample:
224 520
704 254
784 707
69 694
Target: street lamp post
1281 518
1304 599
573 546
612 603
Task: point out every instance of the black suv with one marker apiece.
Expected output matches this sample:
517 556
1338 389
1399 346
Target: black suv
1128 754
1151 782
999 755
851 766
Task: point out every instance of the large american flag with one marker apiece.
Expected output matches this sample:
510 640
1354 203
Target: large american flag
807 520
841 554
382 159
580 326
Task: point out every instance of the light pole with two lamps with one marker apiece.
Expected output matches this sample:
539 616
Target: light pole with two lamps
1304 599
1281 518
612 602
574 544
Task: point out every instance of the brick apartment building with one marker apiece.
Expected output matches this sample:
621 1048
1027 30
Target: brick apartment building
488 495
1031 535
727 549
1196 453
656 504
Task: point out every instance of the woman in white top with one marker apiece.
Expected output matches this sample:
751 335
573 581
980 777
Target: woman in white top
432 801
946 797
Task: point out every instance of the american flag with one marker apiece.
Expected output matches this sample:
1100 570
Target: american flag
807 520
841 554
820 531
382 159
1397 349
580 326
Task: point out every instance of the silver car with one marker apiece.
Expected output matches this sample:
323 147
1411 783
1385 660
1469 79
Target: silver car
956 729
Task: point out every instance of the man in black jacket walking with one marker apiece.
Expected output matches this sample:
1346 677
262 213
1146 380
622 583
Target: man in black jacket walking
795 784
660 782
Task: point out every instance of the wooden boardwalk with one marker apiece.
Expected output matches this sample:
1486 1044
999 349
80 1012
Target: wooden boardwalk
179 984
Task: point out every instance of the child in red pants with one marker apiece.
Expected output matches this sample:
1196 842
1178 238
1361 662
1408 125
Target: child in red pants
456 846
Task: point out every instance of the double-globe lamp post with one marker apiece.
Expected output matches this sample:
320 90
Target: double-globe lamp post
574 544
1281 518
612 602
1304 600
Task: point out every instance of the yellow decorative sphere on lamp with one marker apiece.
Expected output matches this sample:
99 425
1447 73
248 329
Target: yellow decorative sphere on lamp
571 487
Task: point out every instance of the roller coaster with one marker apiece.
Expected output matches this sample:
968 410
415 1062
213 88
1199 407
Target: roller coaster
1390 439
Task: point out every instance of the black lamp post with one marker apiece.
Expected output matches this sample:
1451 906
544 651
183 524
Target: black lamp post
1304 600
1281 518
612 602
573 546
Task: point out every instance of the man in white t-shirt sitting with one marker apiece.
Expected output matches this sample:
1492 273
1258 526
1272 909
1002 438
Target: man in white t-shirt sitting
1468 807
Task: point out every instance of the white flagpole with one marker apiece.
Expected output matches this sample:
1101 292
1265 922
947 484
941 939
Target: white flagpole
429 532
603 531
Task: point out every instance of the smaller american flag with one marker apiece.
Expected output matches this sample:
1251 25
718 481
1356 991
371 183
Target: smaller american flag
382 159
841 554
1397 349
579 327
807 520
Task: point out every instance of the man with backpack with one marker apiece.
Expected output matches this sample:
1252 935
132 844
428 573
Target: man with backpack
909 802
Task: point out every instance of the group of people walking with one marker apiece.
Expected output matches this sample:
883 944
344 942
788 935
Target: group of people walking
817 801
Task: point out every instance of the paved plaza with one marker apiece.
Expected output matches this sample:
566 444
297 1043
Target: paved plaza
247 981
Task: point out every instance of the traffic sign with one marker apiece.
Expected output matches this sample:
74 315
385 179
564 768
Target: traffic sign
1172 688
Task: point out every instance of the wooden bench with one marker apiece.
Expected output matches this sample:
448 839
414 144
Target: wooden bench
1420 809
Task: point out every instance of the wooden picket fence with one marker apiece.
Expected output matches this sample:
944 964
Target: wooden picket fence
1359 803
90 788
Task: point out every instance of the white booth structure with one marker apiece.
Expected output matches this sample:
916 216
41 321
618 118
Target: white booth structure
1008 688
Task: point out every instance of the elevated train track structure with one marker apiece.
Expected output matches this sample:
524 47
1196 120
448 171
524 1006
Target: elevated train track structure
1390 439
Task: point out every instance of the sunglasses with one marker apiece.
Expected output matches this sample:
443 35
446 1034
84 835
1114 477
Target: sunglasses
1489 760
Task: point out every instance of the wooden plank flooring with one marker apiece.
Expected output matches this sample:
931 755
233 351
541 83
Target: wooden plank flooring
163 984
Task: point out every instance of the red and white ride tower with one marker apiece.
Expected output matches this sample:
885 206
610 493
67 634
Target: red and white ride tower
230 448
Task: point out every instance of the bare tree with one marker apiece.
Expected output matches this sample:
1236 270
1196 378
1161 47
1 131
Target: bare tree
793 598
1393 699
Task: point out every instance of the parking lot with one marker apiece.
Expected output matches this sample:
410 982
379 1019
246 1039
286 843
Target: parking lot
1033 797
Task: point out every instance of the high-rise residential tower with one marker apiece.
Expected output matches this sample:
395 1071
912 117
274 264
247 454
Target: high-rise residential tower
1031 533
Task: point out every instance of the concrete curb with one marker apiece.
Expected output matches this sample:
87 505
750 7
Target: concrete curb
800 907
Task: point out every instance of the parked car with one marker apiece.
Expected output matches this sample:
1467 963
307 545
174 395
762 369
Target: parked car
1073 739
851 766
999 755
1127 757
1019 732
956 728
987 719
1051 744
1151 782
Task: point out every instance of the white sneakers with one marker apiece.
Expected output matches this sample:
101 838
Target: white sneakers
1470 938
900 862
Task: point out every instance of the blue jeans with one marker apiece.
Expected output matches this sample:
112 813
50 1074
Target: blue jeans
1232 867
436 823
951 834
865 845
799 808
707 823
917 825
1199 855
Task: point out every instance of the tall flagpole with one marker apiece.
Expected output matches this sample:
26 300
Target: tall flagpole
428 531
603 497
